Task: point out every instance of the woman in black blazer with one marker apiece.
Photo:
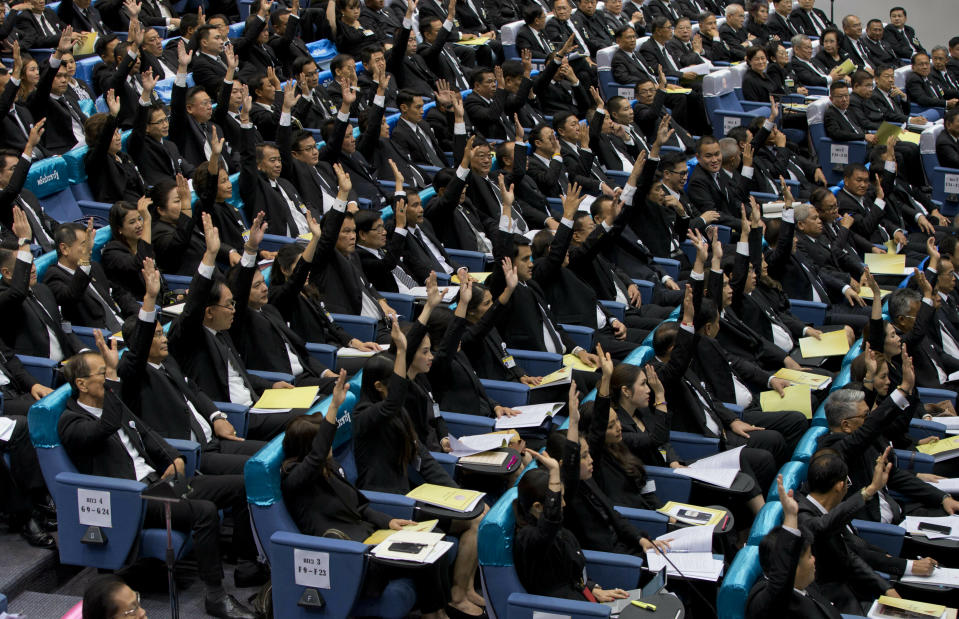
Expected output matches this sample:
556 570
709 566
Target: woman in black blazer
548 559
80 88
756 23
111 173
323 503
645 430
351 36
390 458
830 54
617 470
130 244
757 85
225 218
177 236
779 70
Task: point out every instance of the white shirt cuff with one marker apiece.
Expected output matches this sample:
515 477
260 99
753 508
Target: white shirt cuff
54 62
248 260
180 79
627 195
246 125
380 101
769 125
25 256
286 119
697 276
881 204
146 316
890 166
792 530
845 288
686 328
407 23
400 231
462 173
343 116
459 128
928 301
505 223
206 270
805 330
789 216
901 400
339 205
742 248
566 222
747 171
447 25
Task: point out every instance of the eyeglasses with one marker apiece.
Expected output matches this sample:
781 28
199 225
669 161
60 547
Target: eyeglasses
683 172
165 119
132 611
231 304
306 148
102 372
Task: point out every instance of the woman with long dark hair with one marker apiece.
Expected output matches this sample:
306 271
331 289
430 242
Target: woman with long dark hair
645 429
177 229
129 245
324 503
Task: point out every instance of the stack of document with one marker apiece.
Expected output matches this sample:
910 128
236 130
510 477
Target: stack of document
951 423
947 485
830 344
945 449
719 470
476 443
941 576
531 416
887 264
574 362
692 514
561 376
942 527
413 546
381 534
479 276
346 352
866 293
794 398
894 608
419 292
690 550
285 400
797 377
453 499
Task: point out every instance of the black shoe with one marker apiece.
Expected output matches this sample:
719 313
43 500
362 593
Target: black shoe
454 613
47 509
227 607
36 536
250 574
46 523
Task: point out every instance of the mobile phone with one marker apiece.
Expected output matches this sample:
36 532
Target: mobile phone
935 528
407 547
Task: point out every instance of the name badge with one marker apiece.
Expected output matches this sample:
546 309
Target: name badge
649 487
509 362
67 326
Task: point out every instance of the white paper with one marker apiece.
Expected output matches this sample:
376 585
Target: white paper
347 352
720 477
6 428
723 460
419 292
875 614
730 122
477 443
951 183
427 539
93 507
698 69
268 411
947 485
538 614
531 416
311 568
689 539
693 565
911 524
839 154
173 310
943 576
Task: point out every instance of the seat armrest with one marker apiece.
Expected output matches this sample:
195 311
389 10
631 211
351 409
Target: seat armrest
612 569
273 242
915 461
362 328
324 353
536 363
447 461
615 308
236 414
652 522
526 605
920 429
460 424
693 446
929 395
583 336
395 505
808 311
505 392
887 536
43 370
274 376
475 261
402 303
190 450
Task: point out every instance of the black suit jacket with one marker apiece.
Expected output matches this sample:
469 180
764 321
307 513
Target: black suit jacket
207 73
185 132
58 135
840 128
900 40
780 26
925 91
897 112
196 349
260 195
540 46
455 222
947 150
94 445
802 22
77 302
306 316
808 73
879 52
773 594
704 193
32 35
379 270
628 69
82 20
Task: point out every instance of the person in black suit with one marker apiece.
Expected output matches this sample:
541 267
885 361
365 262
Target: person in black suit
200 337
102 437
853 43
81 287
314 180
150 375
176 227
262 338
808 71
423 251
82 16
922 89
386 447
412 135
788 588
711 190
315 106
546 166
901 37
285 41
592 25
38 26
734 33
375 146
380 258
490 108
54 102
156 156
715 48
685 48
111 173
825 513
778 23
255 55
880 53
628 65
947 144
152 56
532 35
34 324
322 501
438 51
809 20
460 223
658 55
208 67
853 433
13 175
941 74
838 120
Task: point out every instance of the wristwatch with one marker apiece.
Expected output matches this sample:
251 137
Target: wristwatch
217 416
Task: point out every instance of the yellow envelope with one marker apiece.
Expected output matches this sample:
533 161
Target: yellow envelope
457 499
921 608
564 373
574 362
84 47
480 277
796 399
892 247
910 137
866 293
847 67
680 91
832 344
940 446
382 534
476 41
802 378
298 397
887 130
886 264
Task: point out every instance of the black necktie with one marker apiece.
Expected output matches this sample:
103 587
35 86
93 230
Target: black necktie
39 232
435 265
225 344
181 397
111 317
428 148
548 323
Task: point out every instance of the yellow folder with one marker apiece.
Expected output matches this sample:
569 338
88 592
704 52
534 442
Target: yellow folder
298 397
796 399
574 362
480 277
920 608
832 344
562 374
677 510
847 67
886 264
84 47
940 446
382 534
802 378
456 499
866 293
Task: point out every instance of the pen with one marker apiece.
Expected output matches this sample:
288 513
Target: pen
725 520
644 605
678 612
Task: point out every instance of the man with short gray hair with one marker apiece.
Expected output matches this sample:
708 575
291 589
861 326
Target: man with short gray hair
913 315
855 433
808 72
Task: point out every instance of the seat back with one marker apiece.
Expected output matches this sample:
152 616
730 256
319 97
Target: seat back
47 177
607 85
901 75
62 205
742 574
495 544
808 444
794 473
670 486
832 157
508 37
768 518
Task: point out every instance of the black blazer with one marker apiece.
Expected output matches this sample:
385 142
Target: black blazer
924 91
780 26
180 247
125 269
319 497
411 146
312 183
656 58
803 22
338 277
155 160
94 445
379 269
196 350
623 487
306 315
58 135
28 312
82 20
663 8
31 34
495 119
550 179
540 46
734 40
455 384
260 195
841 128
418 260
628 68
826 62
879 52
112 177
947 150
145 386
808 72
704 193
380 439
13 191
900 40
487 350
456 222
896 112
77 302
593 28
758 87
208 73
773 594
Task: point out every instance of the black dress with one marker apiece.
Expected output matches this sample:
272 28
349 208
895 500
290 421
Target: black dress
647 445
124 269
759 86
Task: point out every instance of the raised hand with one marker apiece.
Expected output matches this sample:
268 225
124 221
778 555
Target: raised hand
434 296
216 143
572 200
343 180
257 230
290 96
113 103
908 372
509 273
212 236
398 178
184 58
110 354
663 132
400 214
36 132
349 95
567 47
543 459
21 225
151 279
